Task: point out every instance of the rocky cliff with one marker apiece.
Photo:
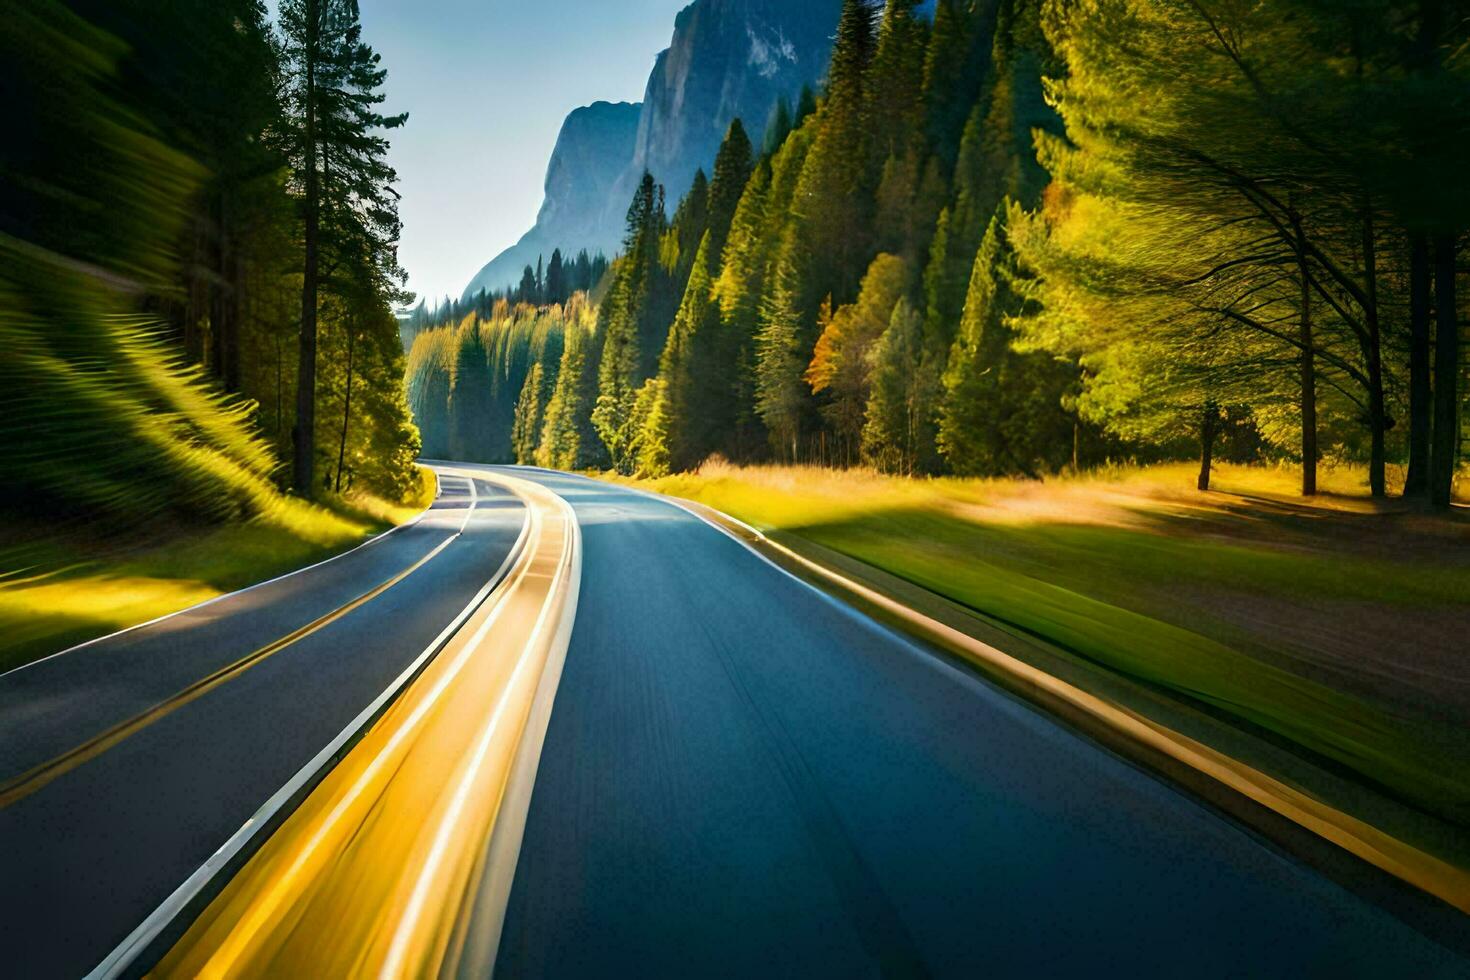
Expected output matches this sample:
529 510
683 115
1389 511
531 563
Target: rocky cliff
587 161
727 59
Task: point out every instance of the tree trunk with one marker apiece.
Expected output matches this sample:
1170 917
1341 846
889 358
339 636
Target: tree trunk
234 273
1416 482
1445 447
280 389
1209 428
193 304
215 286
305 432
224 307
346 410
1423 60
1373 356
1308 369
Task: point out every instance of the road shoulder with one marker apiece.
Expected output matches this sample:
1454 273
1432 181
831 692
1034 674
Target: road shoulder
1398 857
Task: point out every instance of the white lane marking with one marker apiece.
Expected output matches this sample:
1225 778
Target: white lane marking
1357 837
677 504
137 942
409 727
474 500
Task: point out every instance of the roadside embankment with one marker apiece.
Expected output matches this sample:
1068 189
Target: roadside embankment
1314 640
72 587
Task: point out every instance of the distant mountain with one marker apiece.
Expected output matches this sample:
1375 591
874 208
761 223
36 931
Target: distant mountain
728 59
591 150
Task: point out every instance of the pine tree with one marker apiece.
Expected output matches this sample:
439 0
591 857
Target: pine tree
895 83
1003 410
335 139
1001 160
732 172
948 91
777 128
976 434
903 388
560 444
697 403
686 229
781 398
530 415
526 291
626 313
470 406
738 287
806 106
650 424
556 279
941 308
762 222
430 374
567 440
995 153
833 200
736 293
206 73
583 279
896 115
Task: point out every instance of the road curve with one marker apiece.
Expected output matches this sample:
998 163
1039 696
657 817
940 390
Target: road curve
215 713
743 777
740 777
398 862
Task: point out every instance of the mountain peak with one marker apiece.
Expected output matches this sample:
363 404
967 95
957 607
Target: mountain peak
726 59
584 165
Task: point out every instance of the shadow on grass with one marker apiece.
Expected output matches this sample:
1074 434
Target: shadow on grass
1331 523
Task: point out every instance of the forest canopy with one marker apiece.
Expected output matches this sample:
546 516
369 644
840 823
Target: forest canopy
1028 235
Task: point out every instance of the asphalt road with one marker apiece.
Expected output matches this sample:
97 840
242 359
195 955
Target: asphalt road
741 777
86 857
744 778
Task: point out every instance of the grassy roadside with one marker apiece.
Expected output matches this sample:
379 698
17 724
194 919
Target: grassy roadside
78 598
1332 626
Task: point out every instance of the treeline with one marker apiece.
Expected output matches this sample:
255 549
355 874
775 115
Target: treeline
1032 235
482 389
548 284
199 236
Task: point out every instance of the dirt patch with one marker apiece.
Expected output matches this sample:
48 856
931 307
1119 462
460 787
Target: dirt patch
1416 661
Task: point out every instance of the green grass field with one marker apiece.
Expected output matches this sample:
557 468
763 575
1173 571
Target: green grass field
80 595
1330 624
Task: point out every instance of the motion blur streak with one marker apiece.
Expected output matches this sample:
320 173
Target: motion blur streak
378 869
14 790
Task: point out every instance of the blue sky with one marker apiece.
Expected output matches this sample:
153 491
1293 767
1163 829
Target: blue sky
486 84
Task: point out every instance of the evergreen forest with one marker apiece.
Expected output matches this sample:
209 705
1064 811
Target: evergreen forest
1025 236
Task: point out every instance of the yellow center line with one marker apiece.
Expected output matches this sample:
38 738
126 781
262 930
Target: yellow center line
409 930
376 871
280 889
33 780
